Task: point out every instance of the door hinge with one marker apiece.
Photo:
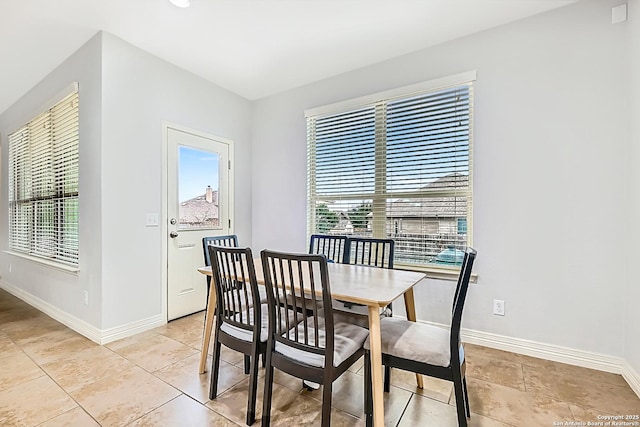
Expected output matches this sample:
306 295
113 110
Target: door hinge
229 223
229 164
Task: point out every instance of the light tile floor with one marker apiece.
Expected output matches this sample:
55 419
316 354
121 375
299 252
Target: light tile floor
51 376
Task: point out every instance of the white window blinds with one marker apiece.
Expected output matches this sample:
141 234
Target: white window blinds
398 168
43 184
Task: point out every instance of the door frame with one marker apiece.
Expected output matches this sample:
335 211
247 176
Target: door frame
164 220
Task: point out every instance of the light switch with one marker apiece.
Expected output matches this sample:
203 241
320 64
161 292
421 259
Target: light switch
153 220
619 13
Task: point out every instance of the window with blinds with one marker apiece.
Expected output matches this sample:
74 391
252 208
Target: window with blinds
396 168
43 185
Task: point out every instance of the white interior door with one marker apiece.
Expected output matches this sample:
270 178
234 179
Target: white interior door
198 205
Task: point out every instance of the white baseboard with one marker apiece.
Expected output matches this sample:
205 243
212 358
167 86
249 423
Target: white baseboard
99 336
556 353
632 377
571 356
123 331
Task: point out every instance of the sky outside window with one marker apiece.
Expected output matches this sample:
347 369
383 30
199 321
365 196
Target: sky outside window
197 170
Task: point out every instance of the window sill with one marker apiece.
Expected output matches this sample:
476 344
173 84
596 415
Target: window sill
56 265
442 273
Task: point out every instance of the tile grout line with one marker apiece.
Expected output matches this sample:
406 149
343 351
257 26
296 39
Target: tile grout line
405 409
147 413
182 393
56 383
211 409
78 404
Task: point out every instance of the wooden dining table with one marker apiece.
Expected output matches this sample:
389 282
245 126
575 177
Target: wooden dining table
370 286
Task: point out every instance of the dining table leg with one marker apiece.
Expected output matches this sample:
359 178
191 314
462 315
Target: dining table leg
208 326
410 306
375 350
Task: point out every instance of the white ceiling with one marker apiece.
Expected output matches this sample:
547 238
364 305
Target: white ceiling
254 48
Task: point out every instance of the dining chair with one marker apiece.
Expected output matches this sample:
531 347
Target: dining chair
241 318
317 349
427 349
371 252
228 241
330 245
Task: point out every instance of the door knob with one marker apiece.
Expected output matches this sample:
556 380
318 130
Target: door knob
173 234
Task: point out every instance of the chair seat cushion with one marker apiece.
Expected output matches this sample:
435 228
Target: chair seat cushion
415 341
347 340
247 335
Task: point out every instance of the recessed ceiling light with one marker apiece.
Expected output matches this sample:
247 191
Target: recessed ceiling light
181 3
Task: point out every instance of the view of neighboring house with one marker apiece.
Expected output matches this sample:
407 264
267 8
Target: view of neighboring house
426 229
201 211
345 226
433 215
422 227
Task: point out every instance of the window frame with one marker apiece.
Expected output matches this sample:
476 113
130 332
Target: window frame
43 175
380 196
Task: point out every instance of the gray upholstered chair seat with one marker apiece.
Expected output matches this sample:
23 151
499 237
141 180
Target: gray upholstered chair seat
415 341
348 339
247 335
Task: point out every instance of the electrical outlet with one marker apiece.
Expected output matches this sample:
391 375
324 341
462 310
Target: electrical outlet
498 307
86 297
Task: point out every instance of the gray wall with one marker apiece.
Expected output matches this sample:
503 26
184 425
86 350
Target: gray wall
59 288
140 91
632 324
551 208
